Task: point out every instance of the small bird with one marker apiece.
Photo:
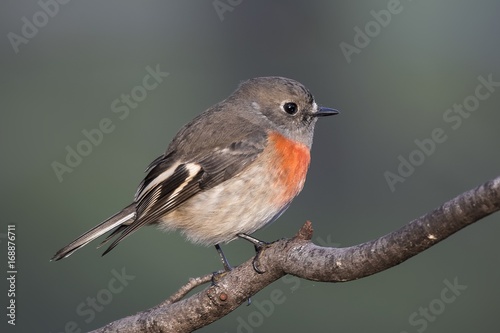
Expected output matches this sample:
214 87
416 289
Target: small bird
230 171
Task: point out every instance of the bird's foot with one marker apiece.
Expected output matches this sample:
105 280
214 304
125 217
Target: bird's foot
260 247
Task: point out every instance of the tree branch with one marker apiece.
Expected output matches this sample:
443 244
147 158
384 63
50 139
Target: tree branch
298 256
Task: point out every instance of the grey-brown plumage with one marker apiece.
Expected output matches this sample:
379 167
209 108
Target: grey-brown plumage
215 179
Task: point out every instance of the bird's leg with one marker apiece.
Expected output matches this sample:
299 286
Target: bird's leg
259 249
225 263
227 268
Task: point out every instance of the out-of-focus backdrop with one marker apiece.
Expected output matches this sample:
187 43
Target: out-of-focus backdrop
417 84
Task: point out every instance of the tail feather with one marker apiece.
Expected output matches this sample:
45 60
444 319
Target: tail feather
112 235
116 221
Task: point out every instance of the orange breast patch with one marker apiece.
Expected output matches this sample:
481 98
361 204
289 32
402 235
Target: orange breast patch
290 164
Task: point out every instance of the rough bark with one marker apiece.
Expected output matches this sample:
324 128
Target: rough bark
299 257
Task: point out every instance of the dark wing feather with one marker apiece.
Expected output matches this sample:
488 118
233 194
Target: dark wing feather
225 163
154 169
163 198
158 199
210 170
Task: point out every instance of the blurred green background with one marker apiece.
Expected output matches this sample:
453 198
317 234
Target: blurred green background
394 90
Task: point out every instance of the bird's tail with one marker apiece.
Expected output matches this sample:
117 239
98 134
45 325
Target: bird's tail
123 218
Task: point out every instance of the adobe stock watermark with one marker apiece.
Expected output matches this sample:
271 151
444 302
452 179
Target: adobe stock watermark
425 315
328 242
363 37
265 308
31 26
223 6
120 108
88 309
453 118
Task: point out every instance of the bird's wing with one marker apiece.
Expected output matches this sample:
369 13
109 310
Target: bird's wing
172 181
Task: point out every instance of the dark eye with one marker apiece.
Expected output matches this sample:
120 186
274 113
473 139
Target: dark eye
290 108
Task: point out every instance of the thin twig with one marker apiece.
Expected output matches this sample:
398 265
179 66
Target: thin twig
185 289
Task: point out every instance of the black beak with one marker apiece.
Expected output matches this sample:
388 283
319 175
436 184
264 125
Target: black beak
323 112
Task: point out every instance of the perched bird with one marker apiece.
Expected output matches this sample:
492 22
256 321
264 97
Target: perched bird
230 171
